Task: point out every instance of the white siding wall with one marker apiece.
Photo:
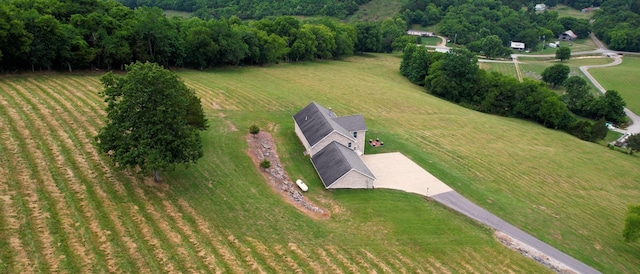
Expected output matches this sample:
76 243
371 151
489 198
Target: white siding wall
361 140
353 179
302 139
334 136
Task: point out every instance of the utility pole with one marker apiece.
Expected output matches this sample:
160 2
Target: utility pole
455 38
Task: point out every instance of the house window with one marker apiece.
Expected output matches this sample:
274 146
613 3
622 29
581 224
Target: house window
355 134
349 144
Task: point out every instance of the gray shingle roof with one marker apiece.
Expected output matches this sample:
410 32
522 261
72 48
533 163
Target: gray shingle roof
335 160
351 123
316 122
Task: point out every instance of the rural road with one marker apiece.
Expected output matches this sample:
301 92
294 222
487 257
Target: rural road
458 203
602 49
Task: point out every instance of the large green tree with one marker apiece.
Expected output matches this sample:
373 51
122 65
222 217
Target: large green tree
556 74
563 53
153 119
631 231
633 142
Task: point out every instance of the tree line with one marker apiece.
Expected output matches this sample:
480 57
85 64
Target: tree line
251 9
456 77
52 34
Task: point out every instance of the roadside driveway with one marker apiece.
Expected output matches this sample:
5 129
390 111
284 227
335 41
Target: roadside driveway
396 171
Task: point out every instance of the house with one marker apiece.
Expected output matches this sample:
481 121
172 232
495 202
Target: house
335 145
540 7
568 35
420 33
317 126
590 9
340 167
517 45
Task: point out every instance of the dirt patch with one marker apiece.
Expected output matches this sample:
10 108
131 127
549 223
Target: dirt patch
262 146
532 253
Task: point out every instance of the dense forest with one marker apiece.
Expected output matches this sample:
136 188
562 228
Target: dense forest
51 34
254 9
618 24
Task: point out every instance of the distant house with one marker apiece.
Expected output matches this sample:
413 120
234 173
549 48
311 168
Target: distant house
420 33
568 35
442 49
339 167
335 145
590 9
540 7
517 45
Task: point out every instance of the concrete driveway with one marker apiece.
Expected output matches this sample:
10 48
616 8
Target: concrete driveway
396 171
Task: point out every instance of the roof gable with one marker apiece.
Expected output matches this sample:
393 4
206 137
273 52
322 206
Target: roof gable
316 122
351 123
335 160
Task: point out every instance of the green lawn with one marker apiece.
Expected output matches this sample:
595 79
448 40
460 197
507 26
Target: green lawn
377 10
566 11
431 41
220 214
504 68
541 180
623 78
533 67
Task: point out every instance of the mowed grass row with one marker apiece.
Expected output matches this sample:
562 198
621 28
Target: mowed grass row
569 193
66 209
622 78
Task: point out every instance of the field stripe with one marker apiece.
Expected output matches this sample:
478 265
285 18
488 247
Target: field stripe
32 193
246 254
327 261
270 259
74 177
291 263
57 187
11 207
203 251
304 257
377 261
117 221
226 253
351 268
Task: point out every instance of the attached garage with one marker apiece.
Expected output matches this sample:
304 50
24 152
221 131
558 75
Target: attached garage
341 167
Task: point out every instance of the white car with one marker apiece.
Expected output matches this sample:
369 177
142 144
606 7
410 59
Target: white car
302 185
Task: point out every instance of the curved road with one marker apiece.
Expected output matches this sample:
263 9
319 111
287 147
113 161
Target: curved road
602 49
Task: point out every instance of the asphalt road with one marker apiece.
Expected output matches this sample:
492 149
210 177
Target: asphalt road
458 203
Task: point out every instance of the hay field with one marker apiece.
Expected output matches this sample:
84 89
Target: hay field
504 68
623 78
570 193
66 209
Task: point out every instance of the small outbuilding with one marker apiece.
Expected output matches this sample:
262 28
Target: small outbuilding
517 45
340 167
568 36
420 33
540 7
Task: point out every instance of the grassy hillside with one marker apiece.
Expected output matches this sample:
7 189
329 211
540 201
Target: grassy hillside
66 209
570 193
624 79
